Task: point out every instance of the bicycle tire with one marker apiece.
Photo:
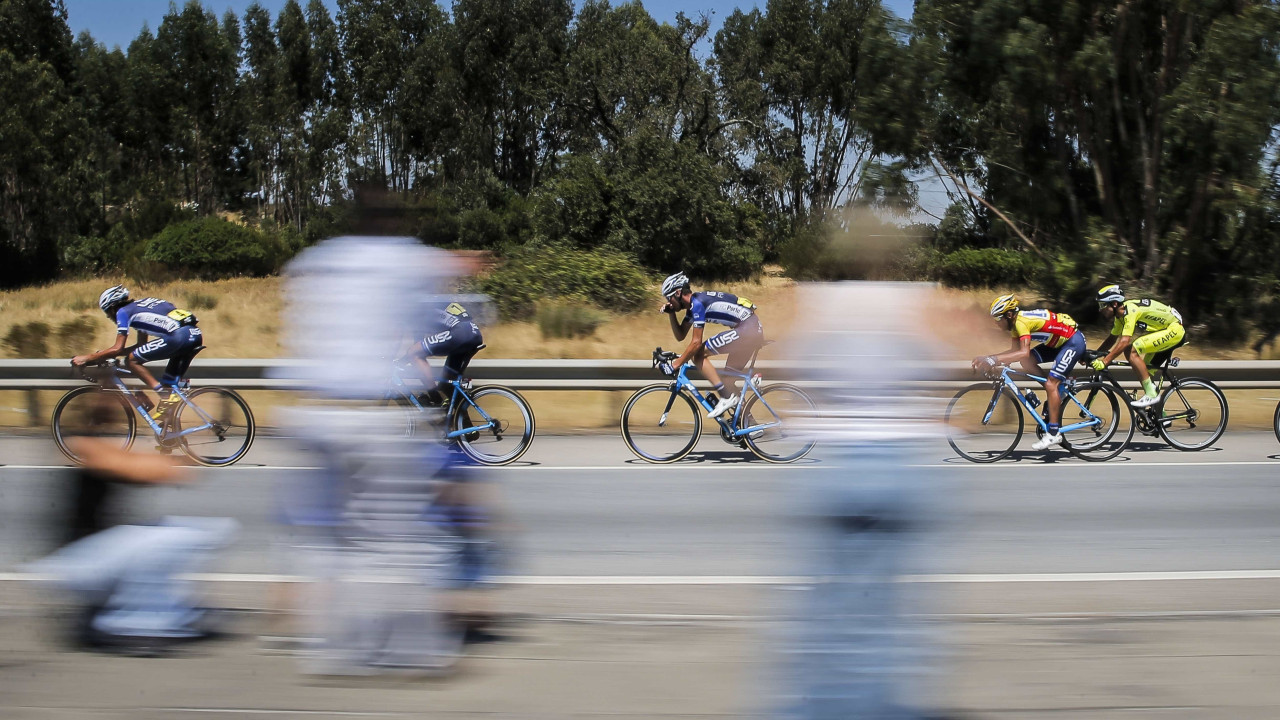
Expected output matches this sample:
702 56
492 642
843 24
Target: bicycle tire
1171 430
958 428
459 420
194 445
62 432
754 444
695 421
1275 422
411 415
1104 444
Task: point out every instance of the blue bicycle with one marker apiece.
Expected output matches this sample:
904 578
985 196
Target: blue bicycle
662 423
493 425
985 421
212 425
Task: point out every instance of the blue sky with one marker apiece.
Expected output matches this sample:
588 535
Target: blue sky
117 22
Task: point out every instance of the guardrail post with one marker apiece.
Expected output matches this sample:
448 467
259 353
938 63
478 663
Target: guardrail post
33 408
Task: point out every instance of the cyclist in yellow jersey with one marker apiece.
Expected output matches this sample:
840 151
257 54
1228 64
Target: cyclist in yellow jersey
1164 334
1056 339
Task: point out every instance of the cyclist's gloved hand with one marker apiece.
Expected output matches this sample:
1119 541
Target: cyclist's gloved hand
666 368
1098 365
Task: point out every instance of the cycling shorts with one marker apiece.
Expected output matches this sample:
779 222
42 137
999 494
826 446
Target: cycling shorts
178 347
1063 357
738 343
1156 347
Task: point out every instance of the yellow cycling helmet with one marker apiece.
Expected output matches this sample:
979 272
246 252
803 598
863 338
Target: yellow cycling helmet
1004 304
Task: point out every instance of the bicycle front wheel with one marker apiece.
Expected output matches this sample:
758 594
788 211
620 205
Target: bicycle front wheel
984 423
1113 431
91 412
659 425
1192 414
780 408
216 429
503 423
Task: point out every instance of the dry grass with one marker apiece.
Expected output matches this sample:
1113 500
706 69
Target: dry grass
240 319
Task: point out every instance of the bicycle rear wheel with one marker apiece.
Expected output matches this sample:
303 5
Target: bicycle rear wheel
219 429
504 425
1192 414
1111 435
91 412
984 423
787 406
658 427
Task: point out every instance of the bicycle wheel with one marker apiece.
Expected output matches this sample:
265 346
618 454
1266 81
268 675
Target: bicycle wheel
785 407
984 423
93 412
1107 439
218 430
1192 414
1275 421
660 427
504 425
410 416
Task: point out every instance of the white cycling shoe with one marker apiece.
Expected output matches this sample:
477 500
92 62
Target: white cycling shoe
724 404
1146 401
1047 442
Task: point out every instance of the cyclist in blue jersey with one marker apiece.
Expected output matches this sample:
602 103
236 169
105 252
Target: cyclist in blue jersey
165 332
453 336
744 336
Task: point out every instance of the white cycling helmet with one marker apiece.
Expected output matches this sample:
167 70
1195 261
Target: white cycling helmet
673 284
1110 294
112 298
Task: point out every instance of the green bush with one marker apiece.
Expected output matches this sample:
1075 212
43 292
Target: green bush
214 248
74 335
570 319
90 255
535 274
986 267
28 340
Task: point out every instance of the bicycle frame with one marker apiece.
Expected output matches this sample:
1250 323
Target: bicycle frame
731 428
1006 381
459 394
1167 379
117 381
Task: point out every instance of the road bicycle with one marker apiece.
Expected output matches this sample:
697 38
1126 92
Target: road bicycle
661 423
212 425
492 425
985 421
1191 413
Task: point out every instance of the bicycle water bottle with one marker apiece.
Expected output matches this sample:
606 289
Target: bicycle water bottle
1032 400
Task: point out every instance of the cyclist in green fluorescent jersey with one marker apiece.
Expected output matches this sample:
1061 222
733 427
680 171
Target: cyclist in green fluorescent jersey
1162 333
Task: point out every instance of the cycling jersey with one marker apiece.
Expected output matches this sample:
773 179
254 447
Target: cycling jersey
1143 316
152 316
1045 328
720 308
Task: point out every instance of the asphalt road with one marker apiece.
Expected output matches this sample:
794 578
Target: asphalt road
587 512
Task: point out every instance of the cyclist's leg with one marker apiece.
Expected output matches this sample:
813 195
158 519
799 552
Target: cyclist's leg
159 347
191 340
1064 358
1152 344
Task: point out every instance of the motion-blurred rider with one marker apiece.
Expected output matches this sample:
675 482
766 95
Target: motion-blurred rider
1057 340
453 336
744 336
1163 330
164 333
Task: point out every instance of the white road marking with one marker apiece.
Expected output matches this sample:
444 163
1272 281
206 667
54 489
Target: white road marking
1037 465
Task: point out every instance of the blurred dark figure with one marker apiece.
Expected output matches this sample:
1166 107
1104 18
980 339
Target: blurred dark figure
124 580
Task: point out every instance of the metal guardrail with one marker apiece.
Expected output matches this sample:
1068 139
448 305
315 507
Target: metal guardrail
270 374
33 376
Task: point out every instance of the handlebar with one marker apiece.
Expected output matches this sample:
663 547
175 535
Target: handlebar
96 371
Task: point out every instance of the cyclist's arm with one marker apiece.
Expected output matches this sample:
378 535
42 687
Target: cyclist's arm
1121 345
680 328
114 350
694 344
1021 350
